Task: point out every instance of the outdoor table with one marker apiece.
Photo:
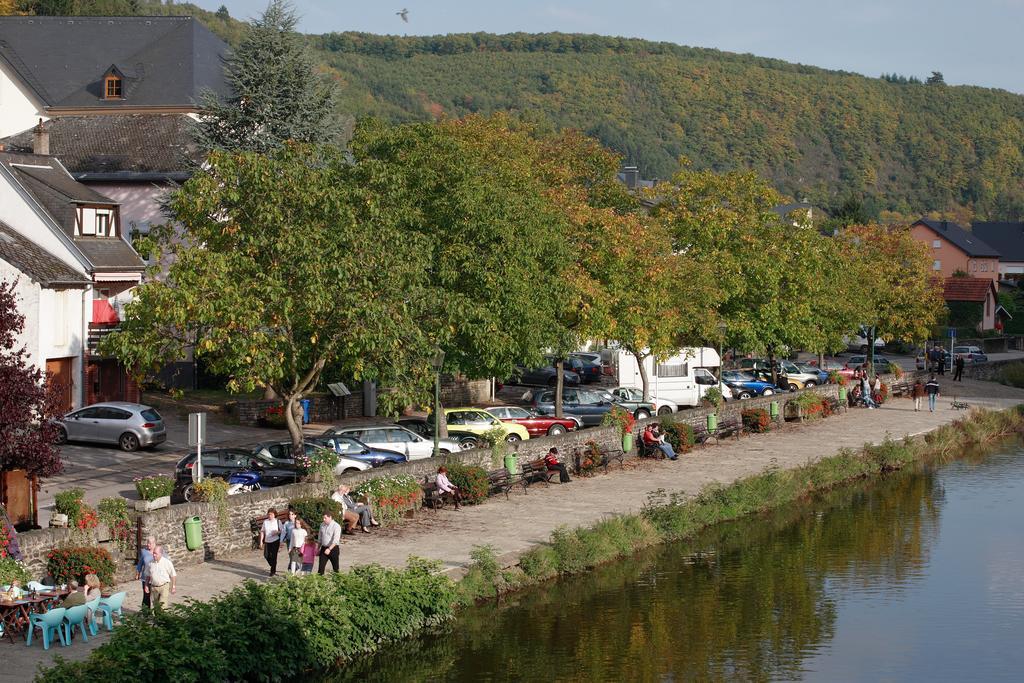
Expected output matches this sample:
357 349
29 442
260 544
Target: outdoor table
14 614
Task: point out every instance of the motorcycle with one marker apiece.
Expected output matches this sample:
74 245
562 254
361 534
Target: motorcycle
245 481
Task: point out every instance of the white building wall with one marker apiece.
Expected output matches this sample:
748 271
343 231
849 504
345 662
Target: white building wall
19 214
18 107
28 294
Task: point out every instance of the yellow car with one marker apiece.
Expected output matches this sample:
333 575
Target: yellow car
478 421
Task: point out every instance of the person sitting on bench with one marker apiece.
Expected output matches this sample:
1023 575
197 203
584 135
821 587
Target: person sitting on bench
445 486
551 460
653 439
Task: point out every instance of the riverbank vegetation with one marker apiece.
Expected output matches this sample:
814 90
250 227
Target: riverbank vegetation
670 517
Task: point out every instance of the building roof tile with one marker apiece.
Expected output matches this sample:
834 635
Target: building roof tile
39 264
970 244
967 289
1006 238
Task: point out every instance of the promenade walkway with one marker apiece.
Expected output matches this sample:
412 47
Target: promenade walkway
525 520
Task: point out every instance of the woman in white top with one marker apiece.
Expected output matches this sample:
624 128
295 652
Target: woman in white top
295 542
445 486
270 539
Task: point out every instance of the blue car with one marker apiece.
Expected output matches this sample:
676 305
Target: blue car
746 385
812 369
344 446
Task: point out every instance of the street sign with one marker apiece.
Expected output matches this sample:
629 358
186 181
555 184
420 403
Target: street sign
952 333
196 428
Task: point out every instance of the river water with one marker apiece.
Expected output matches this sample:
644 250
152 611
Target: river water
918 577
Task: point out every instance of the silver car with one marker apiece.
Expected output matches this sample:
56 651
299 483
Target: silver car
394 437
129 425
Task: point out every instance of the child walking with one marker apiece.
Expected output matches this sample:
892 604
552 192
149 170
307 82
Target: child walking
308 555
296 544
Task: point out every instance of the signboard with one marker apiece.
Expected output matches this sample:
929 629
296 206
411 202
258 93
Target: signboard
338 389
952 333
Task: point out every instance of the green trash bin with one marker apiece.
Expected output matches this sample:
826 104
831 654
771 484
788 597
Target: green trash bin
712 422
773 409
511 464
193 533
627 442
842 394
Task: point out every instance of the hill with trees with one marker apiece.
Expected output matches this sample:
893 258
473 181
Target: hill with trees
893 146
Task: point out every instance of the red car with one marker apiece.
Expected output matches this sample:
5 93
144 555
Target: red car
536 425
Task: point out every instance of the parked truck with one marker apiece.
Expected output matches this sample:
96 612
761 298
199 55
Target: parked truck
683 378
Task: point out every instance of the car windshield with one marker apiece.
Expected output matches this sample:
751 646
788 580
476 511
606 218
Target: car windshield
740 376
631 394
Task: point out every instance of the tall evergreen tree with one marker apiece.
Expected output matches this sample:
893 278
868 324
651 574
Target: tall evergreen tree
277 95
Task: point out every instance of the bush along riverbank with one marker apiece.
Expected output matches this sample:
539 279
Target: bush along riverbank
280 630
287 629
671 517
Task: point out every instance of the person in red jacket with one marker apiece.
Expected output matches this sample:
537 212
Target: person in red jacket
551 460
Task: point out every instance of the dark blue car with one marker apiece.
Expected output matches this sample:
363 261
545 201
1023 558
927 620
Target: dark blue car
746 385
342 445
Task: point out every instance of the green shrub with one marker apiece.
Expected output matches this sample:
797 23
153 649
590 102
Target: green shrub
484 579
156 486
65 564
69 503
289 628
12 570
114 513
215 490
471 481
756 420
679 435
1013 375
312 510
539 563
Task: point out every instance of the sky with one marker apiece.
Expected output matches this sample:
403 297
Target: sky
973 42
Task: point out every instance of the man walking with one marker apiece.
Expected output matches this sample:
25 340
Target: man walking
932 389
940 353
958 368
161 578
145 557
328 540
918 393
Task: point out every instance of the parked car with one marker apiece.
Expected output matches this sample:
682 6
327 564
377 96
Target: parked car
661 406
543 376
588 370
222 463
419 425
797 378
357 450
586 405
129 425
971 354
640 408
536 425
281 452
479 421
745 385
859 342
881 363
814 370
393 437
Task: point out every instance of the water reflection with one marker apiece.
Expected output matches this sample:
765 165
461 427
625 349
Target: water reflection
823 590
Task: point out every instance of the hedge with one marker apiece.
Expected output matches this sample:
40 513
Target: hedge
471 481
270 631
65 564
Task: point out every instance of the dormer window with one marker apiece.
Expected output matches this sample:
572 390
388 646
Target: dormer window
113 87
96 221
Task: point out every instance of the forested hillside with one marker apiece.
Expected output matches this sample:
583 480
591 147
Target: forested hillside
893 144
821 135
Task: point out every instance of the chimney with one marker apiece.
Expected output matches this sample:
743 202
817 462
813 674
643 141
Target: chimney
631 175
40 139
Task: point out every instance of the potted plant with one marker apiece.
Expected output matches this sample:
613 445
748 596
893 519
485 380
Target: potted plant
713 399
623 420
155 492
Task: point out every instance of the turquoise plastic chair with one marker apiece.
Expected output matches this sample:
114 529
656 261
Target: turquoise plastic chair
91 614
76 616
108 607
48 622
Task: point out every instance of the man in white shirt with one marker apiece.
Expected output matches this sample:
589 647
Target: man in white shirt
161 578
328 540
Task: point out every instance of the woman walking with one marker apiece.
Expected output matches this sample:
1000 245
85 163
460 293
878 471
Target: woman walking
270 539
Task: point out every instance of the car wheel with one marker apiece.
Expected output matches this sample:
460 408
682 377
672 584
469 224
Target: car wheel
386 463
128 442
555 430
62 436
793 387
768 392
810 384
350 470
642 414
444 451
513 438
188 492
745 395
664 410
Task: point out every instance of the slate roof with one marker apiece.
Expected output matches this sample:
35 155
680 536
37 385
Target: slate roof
127 146
166 61
36 262
967 289
1006 238
968 243
58 193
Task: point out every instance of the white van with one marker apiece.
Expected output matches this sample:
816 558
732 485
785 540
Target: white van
683 378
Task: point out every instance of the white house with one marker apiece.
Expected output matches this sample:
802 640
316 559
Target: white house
42 205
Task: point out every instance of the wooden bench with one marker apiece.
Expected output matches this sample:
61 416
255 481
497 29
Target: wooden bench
605 457
432 496
501 480
730 426
536 470
902 388
648 451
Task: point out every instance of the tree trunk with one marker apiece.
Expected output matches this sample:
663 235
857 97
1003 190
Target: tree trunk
559 384
269 394
294 428
871 352
644 381
771 365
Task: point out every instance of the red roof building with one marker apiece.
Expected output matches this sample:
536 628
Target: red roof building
972 290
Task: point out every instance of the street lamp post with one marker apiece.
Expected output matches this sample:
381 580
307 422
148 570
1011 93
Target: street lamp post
436 363
721 361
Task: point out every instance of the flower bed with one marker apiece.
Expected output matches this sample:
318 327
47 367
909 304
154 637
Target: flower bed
274 417
80 515
679 435
621 419
590 459
472 482
756 420
392 497
12 570
156 486
65 564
